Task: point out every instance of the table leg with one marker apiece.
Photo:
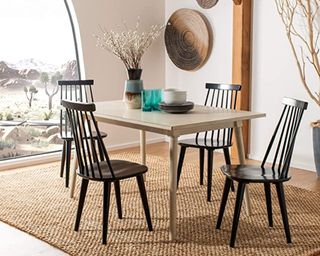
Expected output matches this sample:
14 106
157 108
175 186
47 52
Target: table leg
143 150
73 175
242 159
143 147
173 149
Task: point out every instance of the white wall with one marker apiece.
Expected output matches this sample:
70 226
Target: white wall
274 71
219 65
275 75
107 71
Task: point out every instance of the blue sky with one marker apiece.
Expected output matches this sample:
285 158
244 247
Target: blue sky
37 29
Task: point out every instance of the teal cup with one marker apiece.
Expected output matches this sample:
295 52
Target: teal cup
151 99
156 99
146 96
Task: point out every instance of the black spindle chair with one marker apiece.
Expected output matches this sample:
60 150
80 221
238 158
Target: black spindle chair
285 135
95 164
75 90
219 96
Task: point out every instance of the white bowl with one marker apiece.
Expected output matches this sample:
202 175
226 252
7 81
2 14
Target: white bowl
174 96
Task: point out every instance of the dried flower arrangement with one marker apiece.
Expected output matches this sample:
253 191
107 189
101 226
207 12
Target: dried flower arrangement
129 45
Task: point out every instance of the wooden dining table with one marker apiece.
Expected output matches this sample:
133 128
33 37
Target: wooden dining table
200 119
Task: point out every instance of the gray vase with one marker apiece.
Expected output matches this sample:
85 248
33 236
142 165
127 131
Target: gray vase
132 93
316 148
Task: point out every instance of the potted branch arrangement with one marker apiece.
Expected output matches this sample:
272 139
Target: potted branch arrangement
129 46
301 19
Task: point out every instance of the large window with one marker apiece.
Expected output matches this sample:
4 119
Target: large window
36 49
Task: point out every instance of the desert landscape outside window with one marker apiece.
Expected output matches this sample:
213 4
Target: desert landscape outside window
36 50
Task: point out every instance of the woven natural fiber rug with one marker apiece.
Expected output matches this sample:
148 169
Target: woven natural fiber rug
37 202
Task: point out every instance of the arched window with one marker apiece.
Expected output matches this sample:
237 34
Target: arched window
37 48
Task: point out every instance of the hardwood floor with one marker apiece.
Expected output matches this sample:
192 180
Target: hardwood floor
14 242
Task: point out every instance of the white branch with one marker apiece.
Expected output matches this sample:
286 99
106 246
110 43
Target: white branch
292 12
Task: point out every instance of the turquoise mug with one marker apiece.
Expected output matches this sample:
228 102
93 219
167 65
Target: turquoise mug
151 99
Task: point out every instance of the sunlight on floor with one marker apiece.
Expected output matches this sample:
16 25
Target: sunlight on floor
13 242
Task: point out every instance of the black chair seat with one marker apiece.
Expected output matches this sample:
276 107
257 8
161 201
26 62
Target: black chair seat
204 143
122 170
252 174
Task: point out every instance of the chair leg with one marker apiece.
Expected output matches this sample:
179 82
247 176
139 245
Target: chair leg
224 200
144 199
232 187
105 213
83 192
210 166
237 210
227 156
180 163
68 161
267 191
201 161
118 198
63 158
228 162
282 203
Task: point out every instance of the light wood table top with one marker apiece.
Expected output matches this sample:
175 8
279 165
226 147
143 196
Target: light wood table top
199 119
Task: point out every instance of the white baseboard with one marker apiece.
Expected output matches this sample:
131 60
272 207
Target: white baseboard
29 161
56 156
296 164
133 144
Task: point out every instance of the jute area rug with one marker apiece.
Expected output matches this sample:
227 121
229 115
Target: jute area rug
37 202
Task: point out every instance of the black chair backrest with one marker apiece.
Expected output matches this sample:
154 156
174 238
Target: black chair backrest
221 96
74 90
284 136
91 152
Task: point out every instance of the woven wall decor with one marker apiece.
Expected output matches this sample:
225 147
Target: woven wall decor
207 4
188 39
237 2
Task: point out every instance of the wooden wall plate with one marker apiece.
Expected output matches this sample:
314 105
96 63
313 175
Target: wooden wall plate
207 4
188 39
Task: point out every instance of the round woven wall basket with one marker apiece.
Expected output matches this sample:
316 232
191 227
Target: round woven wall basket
188 39
207 4
237 2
